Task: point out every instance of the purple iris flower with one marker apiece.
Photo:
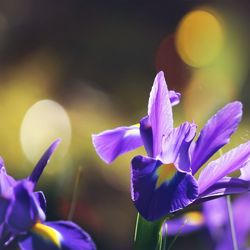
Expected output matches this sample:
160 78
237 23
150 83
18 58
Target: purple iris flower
214 217
163 182
22 215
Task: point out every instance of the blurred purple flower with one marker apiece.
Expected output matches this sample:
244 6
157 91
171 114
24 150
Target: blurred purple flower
215 218
22 215
163 182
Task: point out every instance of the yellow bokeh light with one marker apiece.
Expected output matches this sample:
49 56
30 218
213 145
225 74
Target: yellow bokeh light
199 38
44 122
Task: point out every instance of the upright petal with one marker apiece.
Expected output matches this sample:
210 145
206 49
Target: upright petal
112 143
227 163
152 201
175 148
63 235
215 134
36 173
159 112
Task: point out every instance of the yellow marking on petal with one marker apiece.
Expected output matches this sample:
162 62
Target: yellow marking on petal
48 233
137 125
165 172
194 218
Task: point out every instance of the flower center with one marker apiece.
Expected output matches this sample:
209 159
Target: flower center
48 233
165 172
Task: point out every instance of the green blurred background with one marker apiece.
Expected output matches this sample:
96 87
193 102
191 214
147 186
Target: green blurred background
72 68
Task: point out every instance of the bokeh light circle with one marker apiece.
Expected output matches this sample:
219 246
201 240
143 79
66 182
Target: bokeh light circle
44 122
199 38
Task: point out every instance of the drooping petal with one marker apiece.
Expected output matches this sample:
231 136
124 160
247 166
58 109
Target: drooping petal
159 112
227 163
24 210
36 173
153 201
185 224
223 187
215 134
112 143
174 97
57 235
175 148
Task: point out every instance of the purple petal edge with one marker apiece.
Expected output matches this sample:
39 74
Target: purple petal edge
159 112
215 134
109 144
226 164
36 173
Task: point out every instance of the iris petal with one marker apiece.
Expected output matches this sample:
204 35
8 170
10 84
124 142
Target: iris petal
24 210
176 144
216 133
159 112
70 236
245 172
147 135
112 143
152 202
4 203
227 163
223 187
48 233
35 175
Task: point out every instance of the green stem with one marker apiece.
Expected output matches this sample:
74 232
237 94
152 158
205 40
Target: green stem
75 194
148 235
164 237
